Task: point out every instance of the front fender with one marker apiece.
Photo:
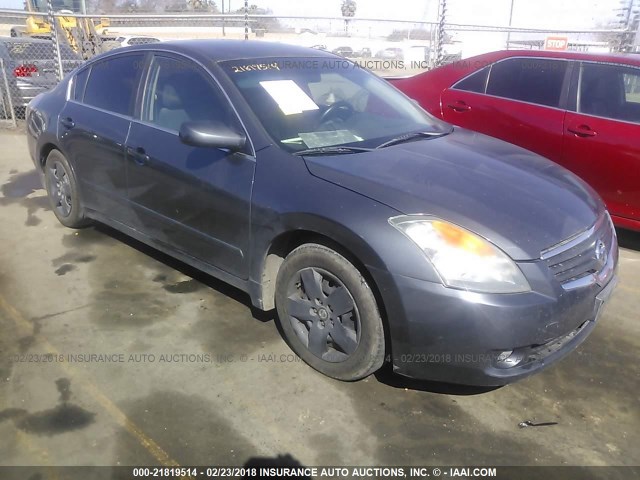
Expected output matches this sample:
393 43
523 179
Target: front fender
301 205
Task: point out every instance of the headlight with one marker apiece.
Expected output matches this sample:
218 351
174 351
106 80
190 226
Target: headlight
462 259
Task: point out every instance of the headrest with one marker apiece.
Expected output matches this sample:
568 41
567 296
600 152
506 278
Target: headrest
169 98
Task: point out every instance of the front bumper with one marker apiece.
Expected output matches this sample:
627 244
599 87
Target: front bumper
454 336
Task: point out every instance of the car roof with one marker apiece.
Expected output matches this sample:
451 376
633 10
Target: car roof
629 59
221 50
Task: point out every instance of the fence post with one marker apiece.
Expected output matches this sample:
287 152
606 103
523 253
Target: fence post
432 50
246 19
54 40
9 99
442 12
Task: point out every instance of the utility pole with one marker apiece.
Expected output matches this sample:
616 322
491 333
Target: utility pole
630 15
223 32
510 20
246 19
440 35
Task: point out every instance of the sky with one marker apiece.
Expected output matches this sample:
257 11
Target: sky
569 14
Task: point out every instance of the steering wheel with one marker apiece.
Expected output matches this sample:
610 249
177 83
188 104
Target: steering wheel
341 109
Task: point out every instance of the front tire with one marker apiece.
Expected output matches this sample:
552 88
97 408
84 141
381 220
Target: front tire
63 192
328 313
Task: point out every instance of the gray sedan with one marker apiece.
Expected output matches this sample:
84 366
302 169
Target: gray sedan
378 232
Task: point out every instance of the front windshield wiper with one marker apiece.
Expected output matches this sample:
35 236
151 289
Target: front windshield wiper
332 150
412 136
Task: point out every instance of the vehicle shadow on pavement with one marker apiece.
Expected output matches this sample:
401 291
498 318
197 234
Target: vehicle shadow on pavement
628 239
286 460
195 274
386 376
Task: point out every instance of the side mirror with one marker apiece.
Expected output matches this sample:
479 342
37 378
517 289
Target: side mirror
211 135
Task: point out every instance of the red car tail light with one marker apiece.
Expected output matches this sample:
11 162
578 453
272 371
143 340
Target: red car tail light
25 70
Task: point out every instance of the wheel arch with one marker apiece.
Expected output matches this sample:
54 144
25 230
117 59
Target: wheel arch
346 243
44 152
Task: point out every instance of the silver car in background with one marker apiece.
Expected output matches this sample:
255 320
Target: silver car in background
30 69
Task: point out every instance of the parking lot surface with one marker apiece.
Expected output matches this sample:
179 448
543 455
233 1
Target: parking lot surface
114 354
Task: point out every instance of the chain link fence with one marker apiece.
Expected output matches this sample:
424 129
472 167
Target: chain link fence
30 62
32 59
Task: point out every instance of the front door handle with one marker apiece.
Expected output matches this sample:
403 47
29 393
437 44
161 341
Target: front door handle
67 122
139 155
582 131
459 106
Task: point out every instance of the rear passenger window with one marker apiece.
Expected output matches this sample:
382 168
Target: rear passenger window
631 81
79 84
533 80
474 83
113 83
611 91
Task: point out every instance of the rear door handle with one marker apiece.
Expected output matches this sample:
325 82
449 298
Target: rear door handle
582 131
459 106
67 122
139 155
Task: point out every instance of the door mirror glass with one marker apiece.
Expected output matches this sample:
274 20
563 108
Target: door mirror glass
211 135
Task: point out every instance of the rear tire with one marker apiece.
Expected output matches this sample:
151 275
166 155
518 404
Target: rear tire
18 31
328 313
63 192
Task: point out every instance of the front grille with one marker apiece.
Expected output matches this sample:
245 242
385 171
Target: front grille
578 257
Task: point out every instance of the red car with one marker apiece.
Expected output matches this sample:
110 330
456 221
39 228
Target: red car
580 110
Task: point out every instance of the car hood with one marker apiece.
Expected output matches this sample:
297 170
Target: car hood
520 201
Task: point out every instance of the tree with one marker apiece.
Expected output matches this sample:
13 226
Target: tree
266 24
414 34
348 11
627 19
203 6
348 8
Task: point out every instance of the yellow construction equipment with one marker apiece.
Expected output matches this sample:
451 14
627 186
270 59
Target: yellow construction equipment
84 35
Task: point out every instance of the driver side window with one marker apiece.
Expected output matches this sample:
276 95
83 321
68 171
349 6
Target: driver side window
178 91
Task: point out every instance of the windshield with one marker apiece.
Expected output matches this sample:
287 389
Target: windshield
307 103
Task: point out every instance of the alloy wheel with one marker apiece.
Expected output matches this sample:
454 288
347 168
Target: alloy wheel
323 314
60 188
